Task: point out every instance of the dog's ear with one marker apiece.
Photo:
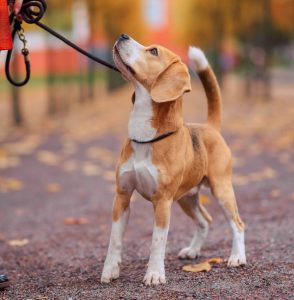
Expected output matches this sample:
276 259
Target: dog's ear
172 83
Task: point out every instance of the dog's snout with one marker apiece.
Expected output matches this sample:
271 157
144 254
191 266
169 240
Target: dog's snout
124 37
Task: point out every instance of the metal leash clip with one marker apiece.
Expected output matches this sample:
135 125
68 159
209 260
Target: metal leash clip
24 51
17 28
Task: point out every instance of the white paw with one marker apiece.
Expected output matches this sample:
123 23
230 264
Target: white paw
189 253
110 272
236 260
154 277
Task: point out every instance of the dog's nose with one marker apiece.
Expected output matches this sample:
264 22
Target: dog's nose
124 37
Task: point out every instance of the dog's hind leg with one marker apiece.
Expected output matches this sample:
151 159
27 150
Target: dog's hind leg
201 218
120 216
222 189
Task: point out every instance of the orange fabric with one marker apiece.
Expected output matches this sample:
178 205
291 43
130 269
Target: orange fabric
5 35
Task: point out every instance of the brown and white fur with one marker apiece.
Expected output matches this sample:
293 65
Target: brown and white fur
174 168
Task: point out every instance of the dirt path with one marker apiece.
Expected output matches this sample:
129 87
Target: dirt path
52 179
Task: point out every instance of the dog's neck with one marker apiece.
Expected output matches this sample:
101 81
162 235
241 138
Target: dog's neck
140 123
149 119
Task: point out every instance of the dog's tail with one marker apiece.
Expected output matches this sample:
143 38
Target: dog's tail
210 84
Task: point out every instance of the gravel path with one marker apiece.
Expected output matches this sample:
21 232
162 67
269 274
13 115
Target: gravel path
62 182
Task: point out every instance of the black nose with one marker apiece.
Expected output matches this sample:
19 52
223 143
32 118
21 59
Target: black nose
124 37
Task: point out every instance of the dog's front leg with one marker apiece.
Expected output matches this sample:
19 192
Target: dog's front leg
120 216
155 272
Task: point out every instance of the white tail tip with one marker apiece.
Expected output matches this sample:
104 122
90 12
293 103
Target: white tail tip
199 59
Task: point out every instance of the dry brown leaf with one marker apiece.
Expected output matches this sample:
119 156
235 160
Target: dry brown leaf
10 184
75 221
91 170
24 147
18 243
269 173
9 162
215 260
204 199
201 267
48 158
53 187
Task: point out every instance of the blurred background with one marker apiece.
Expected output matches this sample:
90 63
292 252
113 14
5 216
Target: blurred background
249 43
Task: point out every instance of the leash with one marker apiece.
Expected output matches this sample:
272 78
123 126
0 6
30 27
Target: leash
32 12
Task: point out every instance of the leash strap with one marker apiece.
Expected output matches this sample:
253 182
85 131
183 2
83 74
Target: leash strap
31 12
160 137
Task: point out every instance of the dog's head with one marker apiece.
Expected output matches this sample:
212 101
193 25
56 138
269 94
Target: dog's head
158 69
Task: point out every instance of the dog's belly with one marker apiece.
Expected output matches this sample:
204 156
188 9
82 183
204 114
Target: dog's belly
139 173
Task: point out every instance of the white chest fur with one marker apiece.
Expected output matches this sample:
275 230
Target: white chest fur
139 172
139 127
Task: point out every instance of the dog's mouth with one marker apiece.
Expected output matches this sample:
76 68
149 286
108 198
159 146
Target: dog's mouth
119 61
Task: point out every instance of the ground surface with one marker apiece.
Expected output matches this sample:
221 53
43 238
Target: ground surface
62 174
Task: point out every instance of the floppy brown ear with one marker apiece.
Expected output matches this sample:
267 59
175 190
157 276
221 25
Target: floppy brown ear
172 83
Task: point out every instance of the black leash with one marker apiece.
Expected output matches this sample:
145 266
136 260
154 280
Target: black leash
32 12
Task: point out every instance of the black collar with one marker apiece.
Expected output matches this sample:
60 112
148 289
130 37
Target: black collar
156 139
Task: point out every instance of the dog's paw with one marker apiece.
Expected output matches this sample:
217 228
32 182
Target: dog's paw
237 260
189 253
110 272
154 277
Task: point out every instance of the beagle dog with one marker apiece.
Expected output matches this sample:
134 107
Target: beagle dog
167 160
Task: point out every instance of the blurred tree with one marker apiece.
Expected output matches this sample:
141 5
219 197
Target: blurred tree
112 18
264 23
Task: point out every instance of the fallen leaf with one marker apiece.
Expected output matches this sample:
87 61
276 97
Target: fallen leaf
204 199
215 260
53 187
91 170
18 243
10 184
75 221
9 162
48 158
269 173
201 267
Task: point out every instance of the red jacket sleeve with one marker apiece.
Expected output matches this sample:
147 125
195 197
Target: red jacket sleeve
5 35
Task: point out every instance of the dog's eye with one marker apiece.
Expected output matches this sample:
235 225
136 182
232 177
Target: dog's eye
153 51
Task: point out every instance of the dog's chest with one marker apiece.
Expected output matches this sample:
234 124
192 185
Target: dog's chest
138 172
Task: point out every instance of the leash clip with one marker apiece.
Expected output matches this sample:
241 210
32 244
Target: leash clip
24 51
